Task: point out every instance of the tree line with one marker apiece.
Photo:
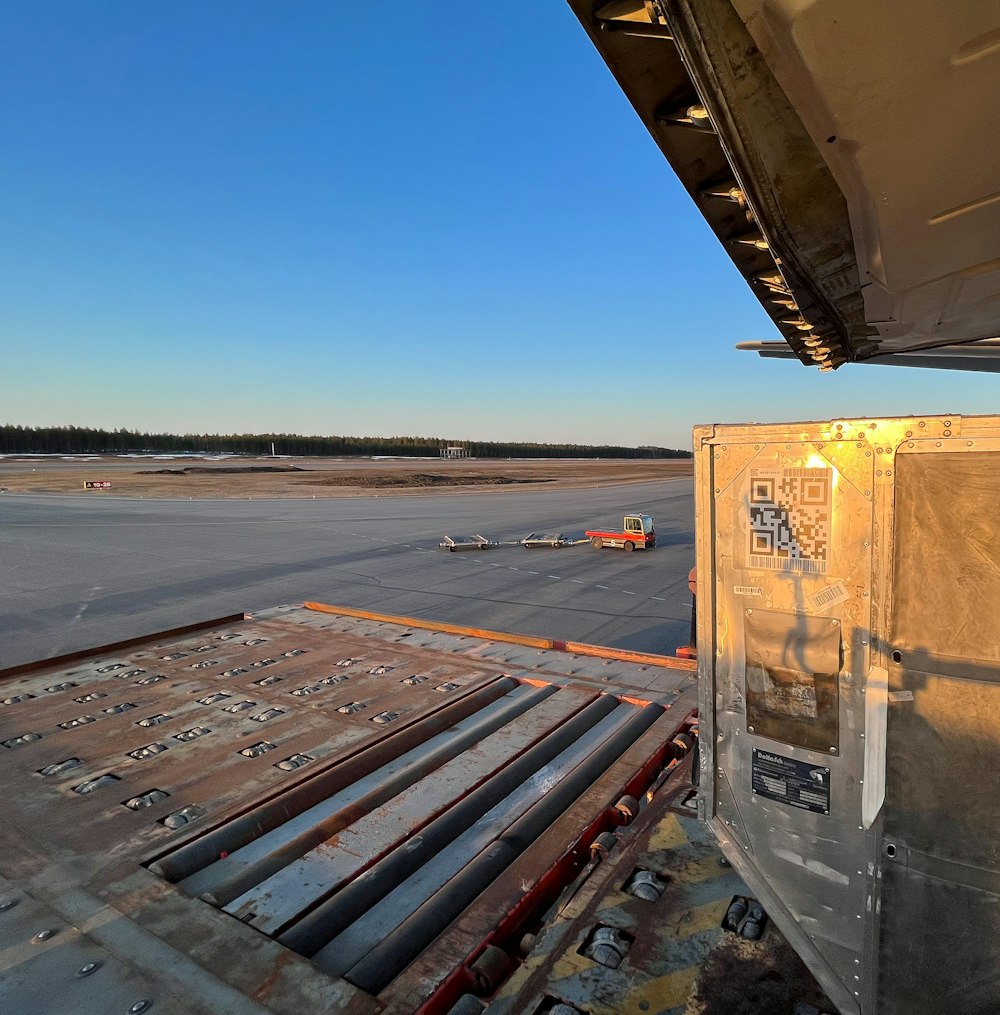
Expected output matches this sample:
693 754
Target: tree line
78 440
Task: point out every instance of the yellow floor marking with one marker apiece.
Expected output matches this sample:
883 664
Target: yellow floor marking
661 994
668 834
694 921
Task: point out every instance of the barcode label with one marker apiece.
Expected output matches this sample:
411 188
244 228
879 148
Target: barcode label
790 519
747 590
829 596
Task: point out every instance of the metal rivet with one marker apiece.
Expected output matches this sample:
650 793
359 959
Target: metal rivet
749 729
139 1006
43 935
7 904
90 967
947 422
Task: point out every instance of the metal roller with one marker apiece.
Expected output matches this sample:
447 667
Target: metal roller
325 922
398 949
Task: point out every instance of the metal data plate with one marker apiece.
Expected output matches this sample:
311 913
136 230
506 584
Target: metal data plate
849 590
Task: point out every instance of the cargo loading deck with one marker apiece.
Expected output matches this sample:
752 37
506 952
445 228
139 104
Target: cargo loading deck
316 810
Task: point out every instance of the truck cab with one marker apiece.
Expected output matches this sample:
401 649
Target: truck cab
637 532
640 526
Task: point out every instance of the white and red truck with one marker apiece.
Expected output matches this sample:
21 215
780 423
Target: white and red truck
636 532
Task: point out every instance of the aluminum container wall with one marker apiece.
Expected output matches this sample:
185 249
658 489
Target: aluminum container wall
849 660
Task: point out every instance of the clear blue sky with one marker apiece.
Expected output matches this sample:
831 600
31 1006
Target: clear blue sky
333 218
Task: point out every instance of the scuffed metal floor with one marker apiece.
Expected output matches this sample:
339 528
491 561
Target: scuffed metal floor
308 812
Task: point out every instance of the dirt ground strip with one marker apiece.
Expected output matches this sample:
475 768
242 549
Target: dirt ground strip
318 477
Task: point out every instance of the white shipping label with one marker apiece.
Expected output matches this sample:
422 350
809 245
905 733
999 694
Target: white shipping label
829 596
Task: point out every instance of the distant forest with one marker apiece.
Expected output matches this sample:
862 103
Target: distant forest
76 440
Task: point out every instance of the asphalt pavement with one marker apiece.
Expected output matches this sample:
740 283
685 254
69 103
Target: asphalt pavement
77 572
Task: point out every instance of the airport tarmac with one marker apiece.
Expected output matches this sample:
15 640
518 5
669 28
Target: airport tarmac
78 572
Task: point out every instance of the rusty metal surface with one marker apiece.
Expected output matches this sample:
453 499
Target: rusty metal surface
143 776
679 959
578 649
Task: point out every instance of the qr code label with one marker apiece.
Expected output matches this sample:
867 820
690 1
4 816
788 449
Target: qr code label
790 517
